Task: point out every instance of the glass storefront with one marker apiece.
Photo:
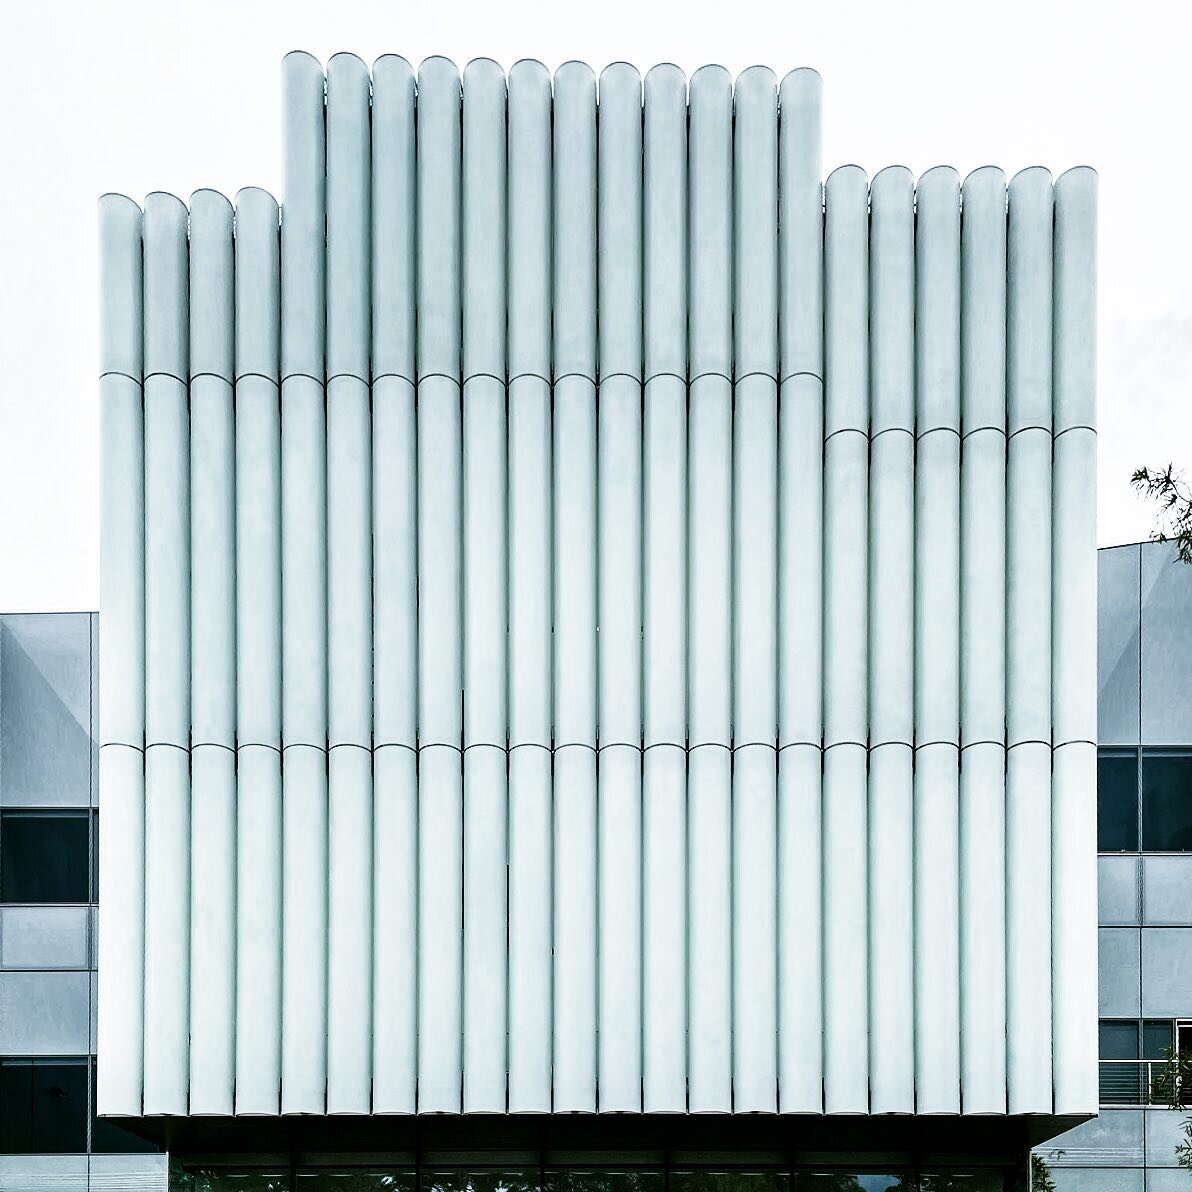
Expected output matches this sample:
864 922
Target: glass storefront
343 1178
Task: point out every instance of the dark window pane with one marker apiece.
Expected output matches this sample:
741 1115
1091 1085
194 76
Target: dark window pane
1167 802
94 852
1117 802
108 1138
1156 1038
60 1107
44 856
16 1107
43 1107
1119 1040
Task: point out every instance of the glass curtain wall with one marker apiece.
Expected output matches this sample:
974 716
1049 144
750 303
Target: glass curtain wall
331 1178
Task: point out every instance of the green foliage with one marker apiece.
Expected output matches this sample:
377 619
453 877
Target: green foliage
1041 1180
1173 495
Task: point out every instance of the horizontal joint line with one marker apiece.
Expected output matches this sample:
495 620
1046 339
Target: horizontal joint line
1001 430
119 372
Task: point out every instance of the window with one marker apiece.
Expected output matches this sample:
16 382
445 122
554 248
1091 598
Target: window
1117 801
1156 1038
43 1107
1167 802
45 856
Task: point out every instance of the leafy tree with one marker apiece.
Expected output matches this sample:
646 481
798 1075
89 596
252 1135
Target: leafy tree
1041 1180
1172 1086
1173 495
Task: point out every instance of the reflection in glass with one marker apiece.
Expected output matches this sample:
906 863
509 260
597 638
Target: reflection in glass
355 1181
580 1180
479 1181
982 1181
729 1181
217 1180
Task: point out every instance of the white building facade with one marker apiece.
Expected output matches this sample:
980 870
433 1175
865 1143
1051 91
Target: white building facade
598 620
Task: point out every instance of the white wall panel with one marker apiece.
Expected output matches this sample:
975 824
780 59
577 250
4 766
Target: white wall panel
122 657
395 938
440 796
846 499
1028 640
983 643
213 655
574 979
619 193
167 656
709 592
349 590
800 597
664 641
395 589
937 641
891 638
530 582
258 653
578 630
1074 621
304 591
485 613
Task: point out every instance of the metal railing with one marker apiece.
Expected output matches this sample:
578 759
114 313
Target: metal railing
1143 1082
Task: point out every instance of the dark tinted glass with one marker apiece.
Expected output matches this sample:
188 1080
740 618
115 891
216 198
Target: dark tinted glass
1167 802
1117 802
16 1107
1119 1040
43 1107
1156 1038
107 1138
44 856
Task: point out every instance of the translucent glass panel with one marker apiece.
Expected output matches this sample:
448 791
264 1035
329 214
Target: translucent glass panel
45 709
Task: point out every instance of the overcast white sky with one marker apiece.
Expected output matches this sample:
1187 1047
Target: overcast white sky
144 95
